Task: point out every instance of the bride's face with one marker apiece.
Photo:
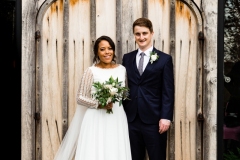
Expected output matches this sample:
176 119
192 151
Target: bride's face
105 52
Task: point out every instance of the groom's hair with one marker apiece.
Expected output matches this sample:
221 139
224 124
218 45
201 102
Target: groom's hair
143 22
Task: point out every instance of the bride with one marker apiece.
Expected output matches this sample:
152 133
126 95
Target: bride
100 136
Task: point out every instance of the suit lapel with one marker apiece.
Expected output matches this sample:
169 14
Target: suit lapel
149 67
134 65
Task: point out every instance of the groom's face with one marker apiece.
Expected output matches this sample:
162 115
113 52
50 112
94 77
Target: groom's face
143 37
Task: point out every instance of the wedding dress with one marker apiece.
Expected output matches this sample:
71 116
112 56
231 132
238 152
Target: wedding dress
100 135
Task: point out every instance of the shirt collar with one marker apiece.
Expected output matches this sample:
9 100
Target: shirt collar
147 52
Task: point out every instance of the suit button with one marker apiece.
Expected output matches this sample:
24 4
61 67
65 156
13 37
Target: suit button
136 97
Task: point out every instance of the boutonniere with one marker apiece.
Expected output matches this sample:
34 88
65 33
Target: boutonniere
153 56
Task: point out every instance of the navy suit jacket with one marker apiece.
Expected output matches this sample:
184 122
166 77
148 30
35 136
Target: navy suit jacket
152 94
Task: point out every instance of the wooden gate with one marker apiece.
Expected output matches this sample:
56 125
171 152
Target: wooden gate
65 33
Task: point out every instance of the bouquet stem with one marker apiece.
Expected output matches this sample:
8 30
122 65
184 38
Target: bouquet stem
109 111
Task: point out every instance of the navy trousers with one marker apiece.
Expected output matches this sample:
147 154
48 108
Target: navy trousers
146 136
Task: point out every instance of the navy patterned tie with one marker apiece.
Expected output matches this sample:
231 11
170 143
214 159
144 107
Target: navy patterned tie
140 64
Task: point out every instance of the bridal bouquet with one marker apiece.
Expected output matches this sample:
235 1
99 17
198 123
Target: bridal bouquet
110 91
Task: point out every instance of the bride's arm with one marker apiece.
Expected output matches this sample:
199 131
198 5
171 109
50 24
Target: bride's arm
84 91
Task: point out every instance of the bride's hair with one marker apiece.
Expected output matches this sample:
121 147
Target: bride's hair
95 48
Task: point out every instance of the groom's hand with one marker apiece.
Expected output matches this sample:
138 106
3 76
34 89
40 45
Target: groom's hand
164 124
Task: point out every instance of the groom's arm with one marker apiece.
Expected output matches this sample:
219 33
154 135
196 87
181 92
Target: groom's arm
167 96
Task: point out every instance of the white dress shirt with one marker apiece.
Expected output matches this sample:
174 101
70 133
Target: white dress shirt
146 57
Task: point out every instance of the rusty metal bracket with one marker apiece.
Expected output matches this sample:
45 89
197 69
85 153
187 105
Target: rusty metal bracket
200 36
37 116
200 117
37 35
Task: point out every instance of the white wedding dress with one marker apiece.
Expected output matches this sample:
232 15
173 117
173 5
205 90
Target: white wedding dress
100 136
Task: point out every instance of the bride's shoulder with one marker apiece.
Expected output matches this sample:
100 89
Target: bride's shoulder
88 70
119 65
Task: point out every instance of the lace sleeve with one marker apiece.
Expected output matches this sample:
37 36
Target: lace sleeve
84 91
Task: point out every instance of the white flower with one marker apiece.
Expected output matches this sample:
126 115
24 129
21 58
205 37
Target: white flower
153 57
108 86
113 91
109 100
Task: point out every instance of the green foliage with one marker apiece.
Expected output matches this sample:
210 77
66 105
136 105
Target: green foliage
232 156
231 31
110 91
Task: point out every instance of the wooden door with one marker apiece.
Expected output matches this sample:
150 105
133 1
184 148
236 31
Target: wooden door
188 82
65 34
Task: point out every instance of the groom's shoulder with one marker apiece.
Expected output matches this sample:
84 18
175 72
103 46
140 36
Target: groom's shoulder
164 57
163 53
131 52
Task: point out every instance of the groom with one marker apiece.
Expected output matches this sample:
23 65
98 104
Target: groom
150 108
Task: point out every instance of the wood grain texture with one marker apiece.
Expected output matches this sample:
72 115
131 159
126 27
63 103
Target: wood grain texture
119 22
28 80
106 18
53 79
131 10
185 82
92 24
172 39
80 49
210 80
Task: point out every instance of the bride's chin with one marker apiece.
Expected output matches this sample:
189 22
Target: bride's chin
106 62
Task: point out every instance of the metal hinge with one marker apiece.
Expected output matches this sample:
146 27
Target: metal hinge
37 116
200 36
200 117
37 35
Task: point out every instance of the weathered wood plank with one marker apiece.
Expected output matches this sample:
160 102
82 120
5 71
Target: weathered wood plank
52 79
158 23
119 23
210 80
28 80
185 73
106 18
93 23
172 40
161 24
131 10
80 51
49 73
145 8
74 49
65 80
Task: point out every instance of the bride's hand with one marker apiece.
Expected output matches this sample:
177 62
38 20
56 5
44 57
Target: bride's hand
108 106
